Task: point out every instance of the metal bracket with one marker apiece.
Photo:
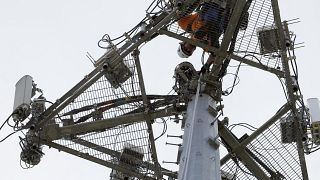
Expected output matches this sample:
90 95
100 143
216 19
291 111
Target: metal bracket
214 142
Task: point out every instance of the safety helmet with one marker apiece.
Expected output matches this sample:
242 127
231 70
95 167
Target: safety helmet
182 52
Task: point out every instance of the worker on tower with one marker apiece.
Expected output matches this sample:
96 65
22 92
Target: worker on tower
207 24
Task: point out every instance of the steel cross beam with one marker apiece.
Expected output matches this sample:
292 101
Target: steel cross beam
54 132
289 85
154 156
247 160
136 58
92 77
232 56
227 38
117 154
153 148
282 111
96 160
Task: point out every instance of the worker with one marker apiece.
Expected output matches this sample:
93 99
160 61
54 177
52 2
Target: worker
206 25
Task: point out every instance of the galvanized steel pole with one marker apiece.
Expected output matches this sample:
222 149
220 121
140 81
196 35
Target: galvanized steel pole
200 158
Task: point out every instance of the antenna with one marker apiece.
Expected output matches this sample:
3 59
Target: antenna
22 99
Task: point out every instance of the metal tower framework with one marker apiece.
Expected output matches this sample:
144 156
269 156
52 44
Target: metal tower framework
107 117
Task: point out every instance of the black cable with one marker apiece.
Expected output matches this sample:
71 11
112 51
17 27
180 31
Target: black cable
244 171
270 149
156 5
134 104
103 39
236 66
283 88
106 38
245 125
26 165
237 73
164 130
21 144
5 121
135 28
263 156
13 126
8 136
16 126
235 83
50 102
303 105
314 150
250 52
259 61
150 5
159 4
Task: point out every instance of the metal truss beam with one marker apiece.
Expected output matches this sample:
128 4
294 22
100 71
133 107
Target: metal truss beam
232 56
53 132
96 160
245 157
282 111
289 85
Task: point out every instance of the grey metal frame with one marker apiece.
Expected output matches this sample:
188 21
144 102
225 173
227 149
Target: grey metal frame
54 132
289 85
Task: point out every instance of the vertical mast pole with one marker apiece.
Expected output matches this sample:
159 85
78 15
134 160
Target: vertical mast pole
200 158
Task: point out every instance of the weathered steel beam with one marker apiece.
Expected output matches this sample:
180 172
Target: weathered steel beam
53 132
232 56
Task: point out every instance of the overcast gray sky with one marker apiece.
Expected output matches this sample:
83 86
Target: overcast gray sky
49 40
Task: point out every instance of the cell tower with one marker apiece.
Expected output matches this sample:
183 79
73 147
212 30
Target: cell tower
108 117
